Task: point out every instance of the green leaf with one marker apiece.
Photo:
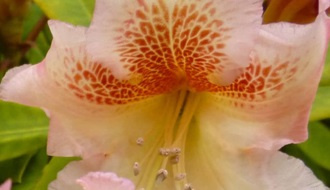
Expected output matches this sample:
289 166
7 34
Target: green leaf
22 130
321 105
78 12
325 80
14 168
317 146
33 171
51 170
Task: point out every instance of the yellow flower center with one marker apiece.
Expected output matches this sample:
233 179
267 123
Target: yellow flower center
168 153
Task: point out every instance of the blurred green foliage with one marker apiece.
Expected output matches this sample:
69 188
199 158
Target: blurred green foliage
321 105
14 168
34 170
78 12
325 80
50 171
23 130
319 136
40 46
12 14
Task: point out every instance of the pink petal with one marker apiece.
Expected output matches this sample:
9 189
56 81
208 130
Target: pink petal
212 165
286 172
6 185
104 181
106 131
269 105
17 93
39 85
323 5
67 35
81 174
179 37
87 114
98 170
209 166
66 179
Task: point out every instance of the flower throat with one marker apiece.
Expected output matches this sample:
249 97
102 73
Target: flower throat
166 160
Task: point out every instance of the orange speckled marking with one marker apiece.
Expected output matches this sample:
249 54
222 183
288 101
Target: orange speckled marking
164 48
92 81
186 40
258 82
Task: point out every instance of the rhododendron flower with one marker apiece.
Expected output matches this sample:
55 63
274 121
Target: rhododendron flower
178 94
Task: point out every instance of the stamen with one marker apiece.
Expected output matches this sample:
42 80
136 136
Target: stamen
150 158
172 146
140 141
136 168
161 175
164 151
176 151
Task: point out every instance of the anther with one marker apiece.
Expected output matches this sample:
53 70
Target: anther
161 175
167 151
188 187
140 141
176 151
164 151
180 176
136 168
